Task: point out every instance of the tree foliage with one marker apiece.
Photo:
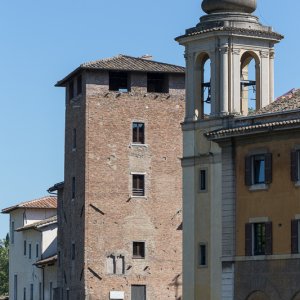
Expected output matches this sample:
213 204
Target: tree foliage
4 247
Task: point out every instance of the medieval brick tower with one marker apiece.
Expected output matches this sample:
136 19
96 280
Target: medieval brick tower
120 206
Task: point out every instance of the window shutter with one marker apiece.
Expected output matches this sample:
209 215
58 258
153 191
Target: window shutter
268 168
294 236
248 170
269 240
248 239
294 166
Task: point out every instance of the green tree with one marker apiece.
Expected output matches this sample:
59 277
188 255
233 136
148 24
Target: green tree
4 246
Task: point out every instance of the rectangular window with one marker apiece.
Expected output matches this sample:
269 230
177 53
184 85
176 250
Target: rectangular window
202 180
138 249
258 169
73 187
138 133
295 165
71 90
138 185
37 250
258 238
29 251
15 287
31 291
40 291
157 83
119 81
295 237
74 139
202 255
79 85
68 294
25 247
73 251
24 294
12 232
138 292
51 291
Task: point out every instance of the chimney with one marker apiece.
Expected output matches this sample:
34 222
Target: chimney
147 57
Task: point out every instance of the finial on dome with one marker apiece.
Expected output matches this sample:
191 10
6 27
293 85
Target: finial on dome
242 6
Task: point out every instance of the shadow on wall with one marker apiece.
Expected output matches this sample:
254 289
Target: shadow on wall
51 249
176 282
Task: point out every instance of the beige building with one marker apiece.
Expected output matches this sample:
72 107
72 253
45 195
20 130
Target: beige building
240 204
120 207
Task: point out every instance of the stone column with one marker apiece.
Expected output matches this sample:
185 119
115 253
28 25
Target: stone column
272 56
224 80
264 79
236 81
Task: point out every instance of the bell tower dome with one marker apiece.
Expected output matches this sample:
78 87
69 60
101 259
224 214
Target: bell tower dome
245 6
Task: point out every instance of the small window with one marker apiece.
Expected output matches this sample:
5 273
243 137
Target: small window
73 251
31 291
73 187
138 292
295 235
12 232
157 83
138 185
24 293
25 248
37 250
71 90
119 81
74 139
202 255
295 165
138 249
258 169
68 294
59 258
203 181
79 85
51 290
29 251
258 237
138 133
15 287
40 291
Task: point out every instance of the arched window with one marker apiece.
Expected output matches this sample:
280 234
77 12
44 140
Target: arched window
250 83
258 295
202 86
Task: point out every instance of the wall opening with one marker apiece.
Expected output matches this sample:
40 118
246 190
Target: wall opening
202 87
157 83
119 81
250 83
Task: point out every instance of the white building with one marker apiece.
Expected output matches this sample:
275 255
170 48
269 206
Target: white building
33 249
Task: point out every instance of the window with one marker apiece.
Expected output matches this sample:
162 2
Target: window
29 251
37 250
295 165
74 139
138 249
71 90
295 237
258 237
115 265
138 133
118 81
15 287
12 232
138 292
258 169
157 83
31 291
25 247
51 291
24 294
40 291
138 185
73 188
79 85
73 251
202 255
202 181
68 294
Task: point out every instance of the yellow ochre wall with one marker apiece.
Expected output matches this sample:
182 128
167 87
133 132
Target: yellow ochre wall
280 203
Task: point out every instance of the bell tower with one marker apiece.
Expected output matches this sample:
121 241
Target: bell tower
229 73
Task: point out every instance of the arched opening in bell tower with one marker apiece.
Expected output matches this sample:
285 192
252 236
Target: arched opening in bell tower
202 86
250 83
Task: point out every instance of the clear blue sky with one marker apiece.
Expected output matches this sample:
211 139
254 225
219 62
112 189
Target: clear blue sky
41 41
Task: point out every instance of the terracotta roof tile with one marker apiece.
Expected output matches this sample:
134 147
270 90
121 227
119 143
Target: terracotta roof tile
44 202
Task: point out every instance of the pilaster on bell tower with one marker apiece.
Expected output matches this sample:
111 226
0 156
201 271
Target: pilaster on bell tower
231 38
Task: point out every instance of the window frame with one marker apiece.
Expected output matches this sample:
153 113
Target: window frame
202 253
201 176
139 139
143 249
135 190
